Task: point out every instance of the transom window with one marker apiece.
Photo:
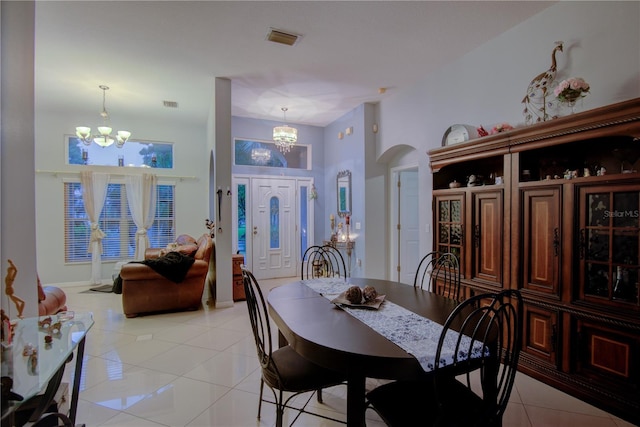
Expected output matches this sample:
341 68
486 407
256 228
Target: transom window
248 152
150 154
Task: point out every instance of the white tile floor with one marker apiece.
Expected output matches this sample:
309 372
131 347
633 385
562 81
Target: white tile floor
200 369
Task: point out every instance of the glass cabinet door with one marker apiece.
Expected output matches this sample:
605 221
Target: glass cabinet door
609 244
449 224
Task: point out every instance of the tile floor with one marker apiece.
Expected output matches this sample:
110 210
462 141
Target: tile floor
200 369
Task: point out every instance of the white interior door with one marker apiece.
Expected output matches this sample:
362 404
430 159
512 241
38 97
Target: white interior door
408 225
273 227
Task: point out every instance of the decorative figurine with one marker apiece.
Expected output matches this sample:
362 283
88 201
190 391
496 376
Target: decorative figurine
211 226
56 328
535 101
45 323
12 272
29 350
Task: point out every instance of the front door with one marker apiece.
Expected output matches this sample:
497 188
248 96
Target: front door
273 214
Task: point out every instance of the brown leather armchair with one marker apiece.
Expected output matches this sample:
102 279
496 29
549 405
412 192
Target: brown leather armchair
146 291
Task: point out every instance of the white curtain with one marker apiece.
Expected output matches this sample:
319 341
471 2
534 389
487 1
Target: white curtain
141 196
94 191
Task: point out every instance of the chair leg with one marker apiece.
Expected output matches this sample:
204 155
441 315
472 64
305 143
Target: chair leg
279 410
319 395
260 400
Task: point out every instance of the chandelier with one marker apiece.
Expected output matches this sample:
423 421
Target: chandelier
260 155
285 136
103 138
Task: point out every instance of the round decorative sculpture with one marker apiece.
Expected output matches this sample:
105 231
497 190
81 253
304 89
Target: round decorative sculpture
369 293
354 295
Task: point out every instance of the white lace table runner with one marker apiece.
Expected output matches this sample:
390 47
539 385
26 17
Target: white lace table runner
413 333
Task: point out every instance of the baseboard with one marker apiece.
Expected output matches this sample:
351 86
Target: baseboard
64 285
223 304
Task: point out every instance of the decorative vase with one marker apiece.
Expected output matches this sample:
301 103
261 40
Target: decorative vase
570 101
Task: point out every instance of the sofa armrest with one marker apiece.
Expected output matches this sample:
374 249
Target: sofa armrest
137 271
151 253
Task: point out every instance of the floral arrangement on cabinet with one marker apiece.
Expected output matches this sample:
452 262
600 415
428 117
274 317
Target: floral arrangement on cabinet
570 90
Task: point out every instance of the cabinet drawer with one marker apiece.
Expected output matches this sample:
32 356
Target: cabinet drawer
540 333
237 261
238 289
607 354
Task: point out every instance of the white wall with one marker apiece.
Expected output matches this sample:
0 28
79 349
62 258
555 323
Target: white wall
191 194
486 86
346 154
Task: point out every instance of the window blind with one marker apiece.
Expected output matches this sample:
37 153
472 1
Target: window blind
116 222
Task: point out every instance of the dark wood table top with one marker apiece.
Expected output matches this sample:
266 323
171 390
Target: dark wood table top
331 337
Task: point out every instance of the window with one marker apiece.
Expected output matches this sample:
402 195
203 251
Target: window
150 154
242 219
115 221
274 223
266 153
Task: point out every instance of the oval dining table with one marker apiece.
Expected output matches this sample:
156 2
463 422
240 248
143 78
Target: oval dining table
329 336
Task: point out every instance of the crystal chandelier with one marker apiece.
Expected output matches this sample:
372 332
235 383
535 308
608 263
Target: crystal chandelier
285 136
260 155
103 138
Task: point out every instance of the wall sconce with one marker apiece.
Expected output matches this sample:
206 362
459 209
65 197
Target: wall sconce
375 128
340 135
349 130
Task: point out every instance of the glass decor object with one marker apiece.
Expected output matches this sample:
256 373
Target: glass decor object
571 90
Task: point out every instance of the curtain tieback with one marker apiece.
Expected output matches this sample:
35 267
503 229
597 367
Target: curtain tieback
96 233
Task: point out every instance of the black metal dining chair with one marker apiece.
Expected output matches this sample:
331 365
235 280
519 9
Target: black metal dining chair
283 370
462 391
322 261
439 272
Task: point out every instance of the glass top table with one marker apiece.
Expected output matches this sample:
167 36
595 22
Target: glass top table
39 348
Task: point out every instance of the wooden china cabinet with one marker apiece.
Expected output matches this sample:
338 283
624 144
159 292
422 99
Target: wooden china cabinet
561 224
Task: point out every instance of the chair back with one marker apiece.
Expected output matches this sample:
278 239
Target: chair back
259 317
322 261
439 272
490 324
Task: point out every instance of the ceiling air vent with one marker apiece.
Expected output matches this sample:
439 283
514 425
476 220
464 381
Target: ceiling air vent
282 37
170 104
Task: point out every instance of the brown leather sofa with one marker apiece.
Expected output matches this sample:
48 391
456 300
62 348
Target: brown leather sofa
146 291
51 300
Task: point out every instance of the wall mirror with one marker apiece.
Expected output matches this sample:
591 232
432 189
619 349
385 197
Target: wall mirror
344 193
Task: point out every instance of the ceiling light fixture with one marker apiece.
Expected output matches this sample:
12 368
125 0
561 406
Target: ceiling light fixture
260 155
103 138
285 136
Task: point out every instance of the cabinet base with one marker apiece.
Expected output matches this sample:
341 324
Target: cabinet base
625 406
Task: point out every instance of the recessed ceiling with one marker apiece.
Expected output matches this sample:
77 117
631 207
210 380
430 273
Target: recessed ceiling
149 51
